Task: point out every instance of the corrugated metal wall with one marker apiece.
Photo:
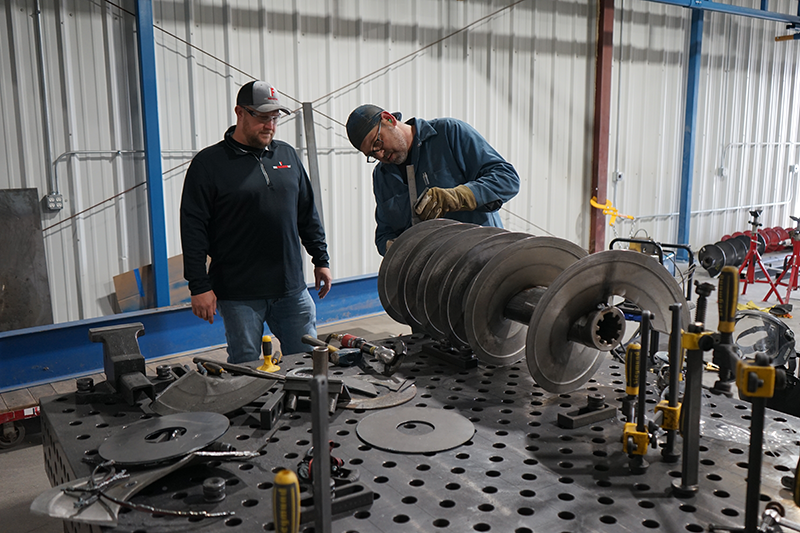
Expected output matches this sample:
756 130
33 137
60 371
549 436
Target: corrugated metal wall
521 72
747 121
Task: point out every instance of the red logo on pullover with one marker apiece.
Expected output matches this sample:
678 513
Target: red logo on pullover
281 165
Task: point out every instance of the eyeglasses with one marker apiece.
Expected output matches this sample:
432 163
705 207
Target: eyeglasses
264 119
377 145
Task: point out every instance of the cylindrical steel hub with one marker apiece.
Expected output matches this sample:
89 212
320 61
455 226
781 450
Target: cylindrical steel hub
601 329
521 307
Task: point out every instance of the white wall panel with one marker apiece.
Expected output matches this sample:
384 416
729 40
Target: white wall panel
747 134
522 75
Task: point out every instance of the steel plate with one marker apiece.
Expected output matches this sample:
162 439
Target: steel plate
415 430
160 439
561 365
531 262
216 394
393 261
455 286
429 287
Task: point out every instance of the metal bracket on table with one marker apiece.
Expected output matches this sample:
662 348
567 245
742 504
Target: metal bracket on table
458 357
348 498
594 411
268 408
299 384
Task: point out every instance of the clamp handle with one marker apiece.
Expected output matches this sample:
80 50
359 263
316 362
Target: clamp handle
633 358
728 298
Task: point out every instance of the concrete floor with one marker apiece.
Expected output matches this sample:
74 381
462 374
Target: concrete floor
23 471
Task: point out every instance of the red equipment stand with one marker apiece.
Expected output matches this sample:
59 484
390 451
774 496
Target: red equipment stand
793 266
751 258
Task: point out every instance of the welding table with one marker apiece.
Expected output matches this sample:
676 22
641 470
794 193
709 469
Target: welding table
519 473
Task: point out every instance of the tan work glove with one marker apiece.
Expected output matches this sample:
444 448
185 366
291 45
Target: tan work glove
442 201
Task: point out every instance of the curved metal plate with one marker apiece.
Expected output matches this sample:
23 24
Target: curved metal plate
531 262
455 286
412 268
393 261
163 438
729 251
560 365
222 394
437 268
415 430
741 245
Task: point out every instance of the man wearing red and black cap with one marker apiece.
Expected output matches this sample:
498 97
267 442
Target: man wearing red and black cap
248 205
466 179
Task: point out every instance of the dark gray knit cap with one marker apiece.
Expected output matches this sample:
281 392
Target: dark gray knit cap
361 121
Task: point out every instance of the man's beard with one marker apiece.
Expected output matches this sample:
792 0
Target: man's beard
256 141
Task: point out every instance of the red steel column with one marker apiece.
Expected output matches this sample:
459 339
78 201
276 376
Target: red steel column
602 105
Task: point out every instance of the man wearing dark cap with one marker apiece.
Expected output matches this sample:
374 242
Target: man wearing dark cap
457 172
248 205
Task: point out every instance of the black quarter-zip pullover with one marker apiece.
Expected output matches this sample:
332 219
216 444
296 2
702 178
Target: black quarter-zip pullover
249 210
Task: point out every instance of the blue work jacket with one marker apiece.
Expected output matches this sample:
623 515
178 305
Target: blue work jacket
450 153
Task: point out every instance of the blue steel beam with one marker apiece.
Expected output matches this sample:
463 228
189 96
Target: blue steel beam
152 150
718 7
689 127
44 354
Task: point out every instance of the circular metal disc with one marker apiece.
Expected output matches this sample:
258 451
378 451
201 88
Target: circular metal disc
415 430
393 261
163 438
456 284
417 258
438 268
560 365
712 259
532 262
762 244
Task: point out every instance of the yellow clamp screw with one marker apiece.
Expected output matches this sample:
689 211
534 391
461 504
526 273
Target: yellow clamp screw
755 381
672 415
609 209
691 341
640 440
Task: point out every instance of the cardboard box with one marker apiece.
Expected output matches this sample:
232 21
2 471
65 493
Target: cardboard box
135 288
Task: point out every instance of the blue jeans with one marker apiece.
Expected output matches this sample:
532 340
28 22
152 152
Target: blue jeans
287 318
